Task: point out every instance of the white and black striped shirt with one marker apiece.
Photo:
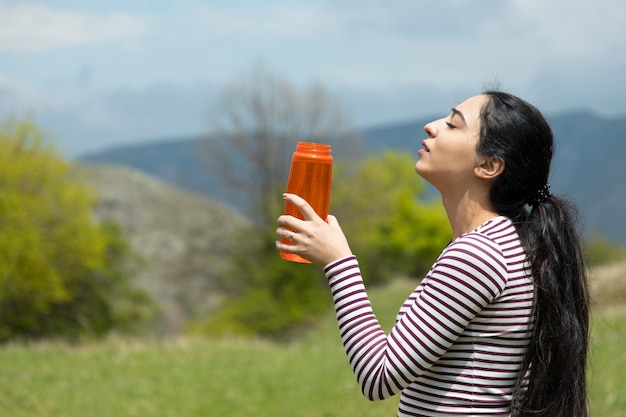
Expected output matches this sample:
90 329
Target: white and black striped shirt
459 338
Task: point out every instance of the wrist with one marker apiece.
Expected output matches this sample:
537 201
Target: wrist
337 262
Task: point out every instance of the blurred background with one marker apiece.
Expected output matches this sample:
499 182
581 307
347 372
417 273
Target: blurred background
144 146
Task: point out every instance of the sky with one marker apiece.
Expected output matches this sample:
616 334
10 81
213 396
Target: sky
102 74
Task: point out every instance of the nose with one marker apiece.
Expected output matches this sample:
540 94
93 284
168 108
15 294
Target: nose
430 129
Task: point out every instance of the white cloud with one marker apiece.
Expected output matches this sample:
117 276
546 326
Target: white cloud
30 27
575 27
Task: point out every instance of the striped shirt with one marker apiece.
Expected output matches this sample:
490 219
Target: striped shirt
459 338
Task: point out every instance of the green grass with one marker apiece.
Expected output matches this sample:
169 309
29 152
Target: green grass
608 364
198 377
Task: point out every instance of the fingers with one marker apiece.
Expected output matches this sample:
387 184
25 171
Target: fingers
309 236
286 221
308 213
305 209
286 234
315 240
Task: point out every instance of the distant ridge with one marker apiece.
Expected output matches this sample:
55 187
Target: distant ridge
588 167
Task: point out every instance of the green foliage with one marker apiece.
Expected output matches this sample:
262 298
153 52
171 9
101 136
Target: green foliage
104 298
380 204
601 251
270 297
60 273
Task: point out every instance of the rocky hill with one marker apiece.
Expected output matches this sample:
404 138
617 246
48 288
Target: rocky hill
184 238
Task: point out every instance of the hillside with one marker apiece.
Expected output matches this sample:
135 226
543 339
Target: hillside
183 237
587 168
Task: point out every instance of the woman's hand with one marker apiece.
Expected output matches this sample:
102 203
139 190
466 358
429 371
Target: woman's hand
313 238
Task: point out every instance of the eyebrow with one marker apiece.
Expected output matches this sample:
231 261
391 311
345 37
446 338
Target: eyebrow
458 113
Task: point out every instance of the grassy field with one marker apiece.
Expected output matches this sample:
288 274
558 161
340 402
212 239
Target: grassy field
198 377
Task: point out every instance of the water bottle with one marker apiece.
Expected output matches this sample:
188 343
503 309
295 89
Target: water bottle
310 177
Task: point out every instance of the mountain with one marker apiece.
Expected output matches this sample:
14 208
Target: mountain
587 167
184 238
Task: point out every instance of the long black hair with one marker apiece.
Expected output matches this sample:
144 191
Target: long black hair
552 381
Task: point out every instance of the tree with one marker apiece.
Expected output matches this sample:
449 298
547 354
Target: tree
61 274
258 122
383 208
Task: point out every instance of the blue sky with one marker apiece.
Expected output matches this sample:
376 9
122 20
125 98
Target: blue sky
99 74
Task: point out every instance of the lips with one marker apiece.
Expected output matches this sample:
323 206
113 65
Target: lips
425 146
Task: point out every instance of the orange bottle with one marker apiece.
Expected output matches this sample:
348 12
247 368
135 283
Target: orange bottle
310 177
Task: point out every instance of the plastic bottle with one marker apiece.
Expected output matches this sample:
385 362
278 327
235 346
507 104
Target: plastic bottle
310 177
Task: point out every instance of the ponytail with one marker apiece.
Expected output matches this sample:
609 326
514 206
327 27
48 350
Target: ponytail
555 360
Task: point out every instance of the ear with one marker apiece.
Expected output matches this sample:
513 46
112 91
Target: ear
489 168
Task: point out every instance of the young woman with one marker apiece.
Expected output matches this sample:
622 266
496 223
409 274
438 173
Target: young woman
500 324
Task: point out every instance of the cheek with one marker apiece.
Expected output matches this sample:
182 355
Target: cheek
461 158
457 150
466 149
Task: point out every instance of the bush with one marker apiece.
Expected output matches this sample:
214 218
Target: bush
279 301
601 251
392 227
61 274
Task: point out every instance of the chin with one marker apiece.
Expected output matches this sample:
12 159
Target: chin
423 172
419 169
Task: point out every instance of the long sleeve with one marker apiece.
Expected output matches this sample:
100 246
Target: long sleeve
466 278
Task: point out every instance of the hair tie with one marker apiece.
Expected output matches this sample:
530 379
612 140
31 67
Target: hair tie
540 195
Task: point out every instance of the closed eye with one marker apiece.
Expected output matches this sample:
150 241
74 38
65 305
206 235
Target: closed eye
450 125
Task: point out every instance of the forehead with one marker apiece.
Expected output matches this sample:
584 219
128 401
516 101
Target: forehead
471 109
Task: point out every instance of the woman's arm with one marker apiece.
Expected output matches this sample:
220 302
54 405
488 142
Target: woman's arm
462 282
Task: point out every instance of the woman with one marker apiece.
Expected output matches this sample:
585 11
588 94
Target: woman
499 325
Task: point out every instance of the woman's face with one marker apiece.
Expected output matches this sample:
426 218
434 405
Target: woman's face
448 156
